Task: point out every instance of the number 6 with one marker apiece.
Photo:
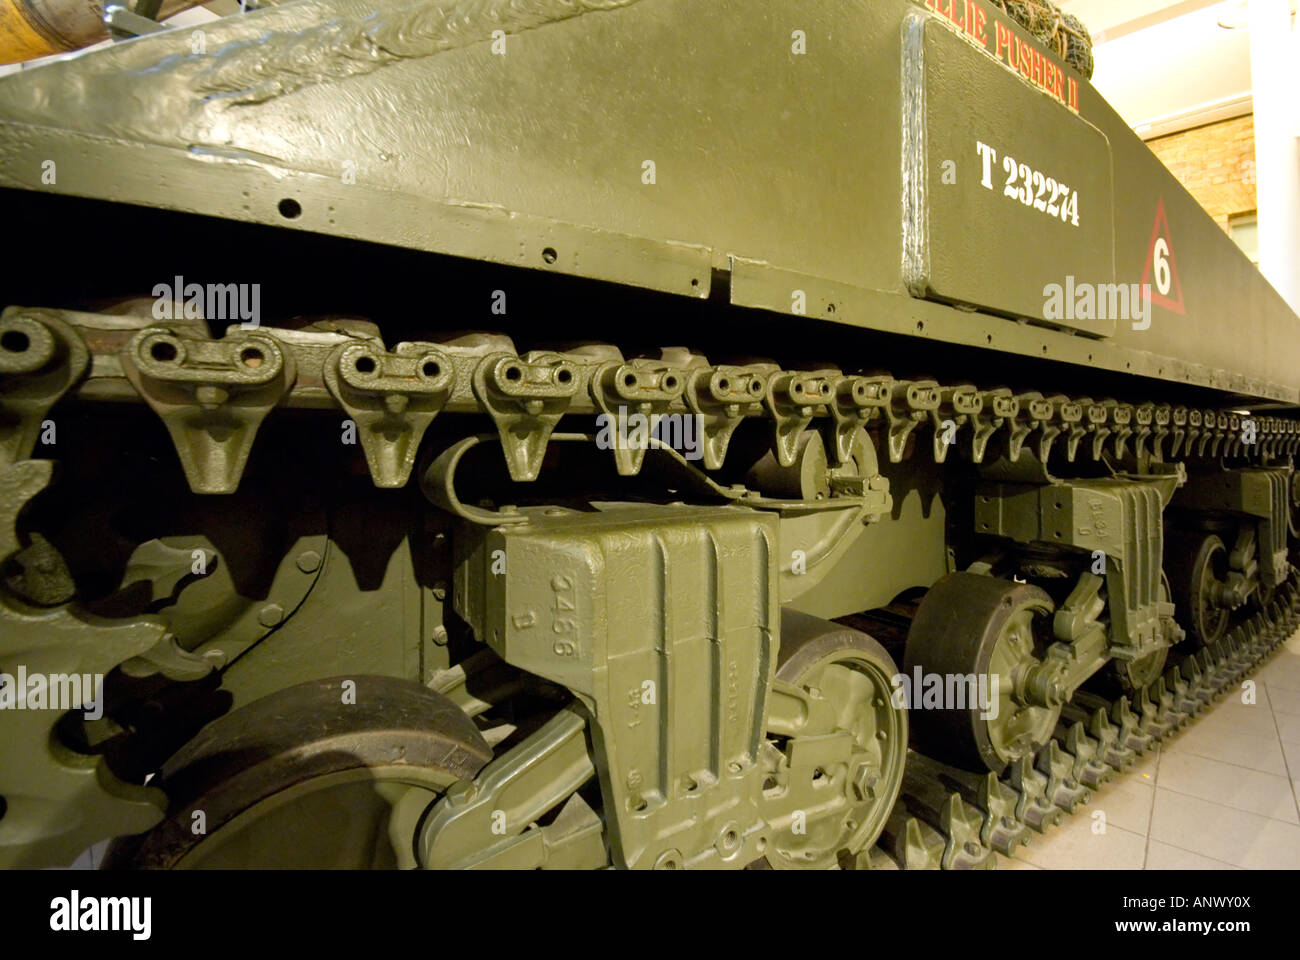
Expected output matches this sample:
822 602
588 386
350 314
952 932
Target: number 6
1163 277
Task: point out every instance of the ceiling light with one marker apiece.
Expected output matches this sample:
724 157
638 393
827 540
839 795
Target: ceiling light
1236 16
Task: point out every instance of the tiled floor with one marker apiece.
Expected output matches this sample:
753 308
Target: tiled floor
1224 794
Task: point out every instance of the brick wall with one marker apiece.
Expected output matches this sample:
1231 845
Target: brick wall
1216 163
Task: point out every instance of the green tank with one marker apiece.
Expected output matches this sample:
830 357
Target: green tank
635 433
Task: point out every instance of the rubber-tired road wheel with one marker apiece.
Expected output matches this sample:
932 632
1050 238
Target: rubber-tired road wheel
970 633
854 673
1198 564
321 775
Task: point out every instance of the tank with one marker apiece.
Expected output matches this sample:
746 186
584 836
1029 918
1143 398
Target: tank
638 433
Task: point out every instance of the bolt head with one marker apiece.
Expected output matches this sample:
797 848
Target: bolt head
865 780
210 397
270 615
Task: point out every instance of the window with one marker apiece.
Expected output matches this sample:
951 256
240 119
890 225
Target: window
1244 229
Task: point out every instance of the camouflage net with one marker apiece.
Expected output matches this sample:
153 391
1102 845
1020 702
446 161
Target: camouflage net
1062 32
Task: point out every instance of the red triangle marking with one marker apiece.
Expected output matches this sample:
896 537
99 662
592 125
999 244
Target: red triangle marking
1177 306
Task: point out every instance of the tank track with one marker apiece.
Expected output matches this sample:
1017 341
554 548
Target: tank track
952 819
945 818
197 385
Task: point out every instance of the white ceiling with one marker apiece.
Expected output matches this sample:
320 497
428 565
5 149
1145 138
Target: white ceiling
1169 66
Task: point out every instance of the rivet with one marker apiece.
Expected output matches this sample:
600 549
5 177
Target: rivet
308 561
270 615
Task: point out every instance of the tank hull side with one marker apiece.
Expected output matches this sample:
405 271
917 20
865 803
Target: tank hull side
645 142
